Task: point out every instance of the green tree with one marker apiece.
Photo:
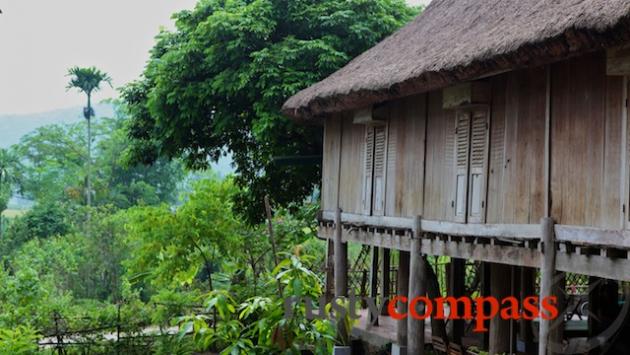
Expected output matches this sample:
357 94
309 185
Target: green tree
54 166
218 82
10 171
88 81
171 248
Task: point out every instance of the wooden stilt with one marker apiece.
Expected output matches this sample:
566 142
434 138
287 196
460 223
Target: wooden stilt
485 291
385 279
341 260
526 288
330 274
456 281
403 290
499 328
374 280
417 288
547 271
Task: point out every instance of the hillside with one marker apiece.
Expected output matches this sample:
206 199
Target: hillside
13 127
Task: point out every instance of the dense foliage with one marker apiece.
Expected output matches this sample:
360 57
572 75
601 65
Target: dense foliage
54 168
130 247
217 83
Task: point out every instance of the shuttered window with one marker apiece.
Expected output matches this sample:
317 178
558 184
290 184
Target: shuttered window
374 171
471 159
478 168
462 145
368 168
380 145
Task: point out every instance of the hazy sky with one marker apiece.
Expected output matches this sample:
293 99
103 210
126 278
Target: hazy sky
41 39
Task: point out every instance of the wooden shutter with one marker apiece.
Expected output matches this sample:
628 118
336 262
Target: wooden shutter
368 168
380 151
478 166
462 153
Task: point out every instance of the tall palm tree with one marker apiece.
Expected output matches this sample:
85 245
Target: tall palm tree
88 81
10 168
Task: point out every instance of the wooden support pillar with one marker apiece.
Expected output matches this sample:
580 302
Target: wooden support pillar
374 281
385 279
456 286
330 273
417 288
500 328
527 288
547 274
341 259
403 290
485 291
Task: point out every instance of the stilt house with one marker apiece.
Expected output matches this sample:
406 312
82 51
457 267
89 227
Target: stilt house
491 131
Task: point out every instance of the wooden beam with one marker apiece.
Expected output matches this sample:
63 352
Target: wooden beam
417 288
592 265
547 271
517 231
587 236
593 236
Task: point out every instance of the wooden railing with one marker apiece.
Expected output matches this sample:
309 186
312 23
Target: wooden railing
578 235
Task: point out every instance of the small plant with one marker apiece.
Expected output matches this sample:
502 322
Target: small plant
18 341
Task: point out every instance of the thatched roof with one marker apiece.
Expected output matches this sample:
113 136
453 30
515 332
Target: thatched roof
459 40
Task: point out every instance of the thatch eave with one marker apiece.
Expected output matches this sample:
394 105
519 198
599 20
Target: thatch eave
333 95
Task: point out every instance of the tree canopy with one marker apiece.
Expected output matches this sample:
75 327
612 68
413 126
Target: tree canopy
218 81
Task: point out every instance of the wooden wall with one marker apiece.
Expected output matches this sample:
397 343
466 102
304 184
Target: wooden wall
439 160
330 163
586 141
517 147
405 157
586 172
352 139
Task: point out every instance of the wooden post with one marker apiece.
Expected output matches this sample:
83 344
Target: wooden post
527 288
547 273
499 328
417 287
374 281
330 273
485 291
403 290
456 285
385 278
341 260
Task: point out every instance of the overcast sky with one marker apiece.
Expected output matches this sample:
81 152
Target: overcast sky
41 39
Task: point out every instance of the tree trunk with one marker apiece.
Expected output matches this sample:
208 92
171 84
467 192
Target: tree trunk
89 152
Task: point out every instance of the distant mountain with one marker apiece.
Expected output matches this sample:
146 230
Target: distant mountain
13 127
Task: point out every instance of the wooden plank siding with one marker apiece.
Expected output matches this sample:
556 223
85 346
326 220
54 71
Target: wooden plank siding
352 152
586 149
405 157
330 163
439 171
586 112
516 182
